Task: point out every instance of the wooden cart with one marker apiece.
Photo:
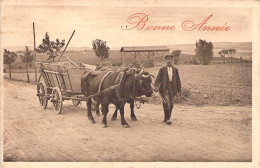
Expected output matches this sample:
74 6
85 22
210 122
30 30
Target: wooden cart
58 83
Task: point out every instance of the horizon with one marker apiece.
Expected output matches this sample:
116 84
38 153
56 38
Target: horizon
118 48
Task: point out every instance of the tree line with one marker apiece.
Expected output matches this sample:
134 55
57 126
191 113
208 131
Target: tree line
51 48
203 52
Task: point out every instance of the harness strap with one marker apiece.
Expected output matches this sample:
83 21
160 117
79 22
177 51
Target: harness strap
101 82
86 73
103 91
134 89
119 82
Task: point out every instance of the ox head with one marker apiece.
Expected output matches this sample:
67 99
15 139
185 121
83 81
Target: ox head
143 84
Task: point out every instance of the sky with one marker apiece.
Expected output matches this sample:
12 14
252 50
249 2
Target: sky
105 21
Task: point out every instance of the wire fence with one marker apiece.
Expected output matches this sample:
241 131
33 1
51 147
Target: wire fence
21 76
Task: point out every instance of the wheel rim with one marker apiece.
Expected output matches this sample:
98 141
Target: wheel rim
57 100
40 92
41 95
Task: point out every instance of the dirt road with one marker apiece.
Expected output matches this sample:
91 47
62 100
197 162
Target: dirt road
210 133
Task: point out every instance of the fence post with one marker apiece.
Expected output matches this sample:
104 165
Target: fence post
34 53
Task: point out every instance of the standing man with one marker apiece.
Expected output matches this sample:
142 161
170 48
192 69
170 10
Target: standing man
169 84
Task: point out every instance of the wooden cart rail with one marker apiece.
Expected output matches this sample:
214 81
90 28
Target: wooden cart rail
66 78
58 83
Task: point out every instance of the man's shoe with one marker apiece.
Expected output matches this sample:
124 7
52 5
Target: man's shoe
168 122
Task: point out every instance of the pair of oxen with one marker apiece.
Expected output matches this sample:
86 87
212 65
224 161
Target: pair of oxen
107 85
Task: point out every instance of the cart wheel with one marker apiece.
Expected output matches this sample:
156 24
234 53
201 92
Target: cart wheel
57 100
41 93
76 102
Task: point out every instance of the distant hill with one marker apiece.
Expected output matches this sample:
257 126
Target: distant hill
244 49
16 48
19 48
233 45
217 45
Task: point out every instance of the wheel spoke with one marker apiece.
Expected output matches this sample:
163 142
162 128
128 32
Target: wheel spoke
41 95
57 100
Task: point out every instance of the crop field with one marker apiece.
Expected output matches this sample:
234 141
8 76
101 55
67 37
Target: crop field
217 84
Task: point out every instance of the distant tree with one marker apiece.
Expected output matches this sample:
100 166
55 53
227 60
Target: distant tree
231 53
9 58
101 49
50 47
26 57
222 54
204 51
176 54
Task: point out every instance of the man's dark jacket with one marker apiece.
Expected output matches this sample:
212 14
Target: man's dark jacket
162 79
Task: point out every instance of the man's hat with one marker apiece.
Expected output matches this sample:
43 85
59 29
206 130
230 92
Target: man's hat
168 55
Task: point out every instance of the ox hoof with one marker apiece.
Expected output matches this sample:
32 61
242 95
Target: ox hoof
125 126
104 125
93 121
113 118
134 119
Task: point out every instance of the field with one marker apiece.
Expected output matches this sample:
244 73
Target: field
217 84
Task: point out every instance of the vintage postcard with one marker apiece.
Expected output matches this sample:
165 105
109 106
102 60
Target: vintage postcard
130 83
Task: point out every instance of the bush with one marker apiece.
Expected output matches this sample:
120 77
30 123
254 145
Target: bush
185 93
149 64
117 64
195 60
176 54
204 51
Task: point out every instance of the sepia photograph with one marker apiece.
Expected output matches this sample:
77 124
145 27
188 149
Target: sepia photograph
135 82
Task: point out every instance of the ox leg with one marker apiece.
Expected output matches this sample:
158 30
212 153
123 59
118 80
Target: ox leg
114 116
132 106
104 111
122 113
90 117
97 109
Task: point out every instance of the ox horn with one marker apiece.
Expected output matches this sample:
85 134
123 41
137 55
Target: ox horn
141 70
145 76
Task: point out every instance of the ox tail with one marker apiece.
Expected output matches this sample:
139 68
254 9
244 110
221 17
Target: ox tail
84 83
83 86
